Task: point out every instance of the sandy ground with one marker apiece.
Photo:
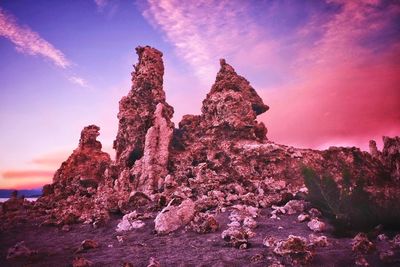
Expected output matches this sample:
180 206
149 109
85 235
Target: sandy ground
181 248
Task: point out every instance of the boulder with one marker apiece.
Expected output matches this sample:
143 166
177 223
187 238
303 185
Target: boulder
172 218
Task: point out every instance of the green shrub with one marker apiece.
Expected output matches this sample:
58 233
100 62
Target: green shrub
348 208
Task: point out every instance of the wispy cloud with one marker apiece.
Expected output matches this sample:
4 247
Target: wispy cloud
101 4
51 160
29 42
204 31
13 174
78 81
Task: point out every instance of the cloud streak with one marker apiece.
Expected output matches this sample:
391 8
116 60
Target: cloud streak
205 31
24 174
78 81
29 42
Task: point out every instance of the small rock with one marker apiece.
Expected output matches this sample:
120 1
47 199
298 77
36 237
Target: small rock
86 245
303 217
316 225
269 242
66 228
153 263
81 262
361 244
318 241
396 241
294 206
361 261
120 238
237 237
314 213
234 224
129 222
250 223
204 223
382 237
295 248
257 258
280 228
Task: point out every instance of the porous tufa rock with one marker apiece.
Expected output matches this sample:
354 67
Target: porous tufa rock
362 245
136 110
316 225
81 262
204 223
87 163
172 218
296 249
129 222
86 245
152 167
71 196
391 156
232 106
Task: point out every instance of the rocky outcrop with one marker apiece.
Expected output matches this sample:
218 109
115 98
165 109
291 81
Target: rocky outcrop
71 196
136 110
219 158
144 133
151 169
228 113
85 167
231 107
391 156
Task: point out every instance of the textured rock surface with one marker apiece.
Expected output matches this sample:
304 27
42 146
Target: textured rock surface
85 167
70 198
217 159
152 167
391 155
137 108
173 217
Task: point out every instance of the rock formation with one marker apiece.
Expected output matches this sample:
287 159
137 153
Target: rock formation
391 156
70 198
152 167
84 168
136 110
217 159
144 134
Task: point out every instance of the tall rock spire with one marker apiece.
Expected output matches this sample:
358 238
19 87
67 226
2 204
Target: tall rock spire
137 108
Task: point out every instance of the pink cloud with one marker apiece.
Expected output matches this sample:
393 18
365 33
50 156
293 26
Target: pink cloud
52 160
16 174
29 42
205 31
345 91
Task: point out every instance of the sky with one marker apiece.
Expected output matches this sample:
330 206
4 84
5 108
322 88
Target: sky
329 70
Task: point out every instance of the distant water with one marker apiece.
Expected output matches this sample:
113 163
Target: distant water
4 199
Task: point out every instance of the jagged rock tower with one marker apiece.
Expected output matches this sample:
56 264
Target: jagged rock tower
145 127
84 168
